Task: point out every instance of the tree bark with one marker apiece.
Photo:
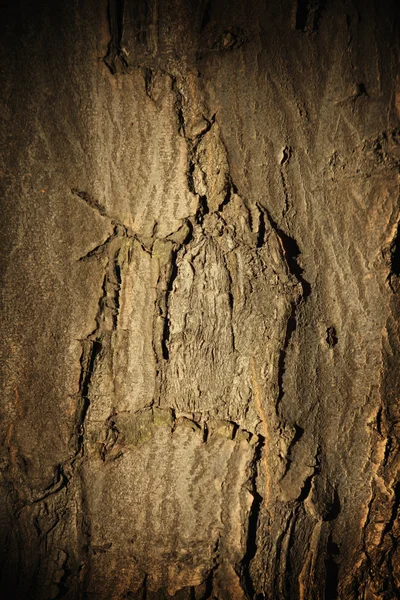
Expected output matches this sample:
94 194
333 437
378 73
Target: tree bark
200 300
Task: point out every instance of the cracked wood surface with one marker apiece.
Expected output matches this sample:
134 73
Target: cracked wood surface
200 283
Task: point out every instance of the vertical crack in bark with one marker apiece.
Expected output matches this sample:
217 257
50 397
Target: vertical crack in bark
231 302
286 156
290 329
265 428
115 58
308 13
394 261
253 523
106 321
166 251
279 570
331 570
291 252
170 282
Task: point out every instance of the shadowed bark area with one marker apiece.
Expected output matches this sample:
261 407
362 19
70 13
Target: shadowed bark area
200 261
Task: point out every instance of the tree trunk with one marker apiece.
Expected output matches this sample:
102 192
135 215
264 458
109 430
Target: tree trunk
200 300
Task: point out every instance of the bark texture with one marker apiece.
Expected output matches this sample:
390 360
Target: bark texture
200 255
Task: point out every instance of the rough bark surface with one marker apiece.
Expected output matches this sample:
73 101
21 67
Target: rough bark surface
200 300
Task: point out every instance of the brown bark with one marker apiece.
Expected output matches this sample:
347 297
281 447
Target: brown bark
200 284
